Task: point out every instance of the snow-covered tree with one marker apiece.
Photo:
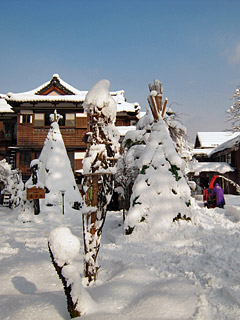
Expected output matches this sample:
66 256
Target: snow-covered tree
160 193
54 171
99 167
11 180
135 141
178 134
233 113
127 167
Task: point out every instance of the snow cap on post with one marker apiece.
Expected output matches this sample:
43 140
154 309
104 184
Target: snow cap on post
98 99
64 245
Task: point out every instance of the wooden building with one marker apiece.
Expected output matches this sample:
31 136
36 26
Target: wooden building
218 153
28 119
229 152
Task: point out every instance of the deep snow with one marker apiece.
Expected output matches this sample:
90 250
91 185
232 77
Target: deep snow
189 272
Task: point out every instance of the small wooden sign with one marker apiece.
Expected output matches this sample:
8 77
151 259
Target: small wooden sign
35 193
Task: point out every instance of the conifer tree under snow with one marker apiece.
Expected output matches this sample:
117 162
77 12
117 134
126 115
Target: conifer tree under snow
54 169
160 193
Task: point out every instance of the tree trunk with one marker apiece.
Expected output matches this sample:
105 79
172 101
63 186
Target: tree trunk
67 289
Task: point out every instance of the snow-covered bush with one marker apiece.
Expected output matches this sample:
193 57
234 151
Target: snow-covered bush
11 180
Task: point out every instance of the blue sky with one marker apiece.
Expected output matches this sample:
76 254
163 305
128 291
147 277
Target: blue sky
192 47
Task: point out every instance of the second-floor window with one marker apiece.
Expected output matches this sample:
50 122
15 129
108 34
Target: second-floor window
229 158
26 118
25 158
39 119
70 120
42 120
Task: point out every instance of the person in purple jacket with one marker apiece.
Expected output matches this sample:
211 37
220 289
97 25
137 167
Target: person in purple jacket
218 193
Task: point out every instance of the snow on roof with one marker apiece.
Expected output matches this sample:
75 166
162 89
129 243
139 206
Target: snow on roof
205 151
214 139
24 97
4 106
226 145
141 114
124 129
123 105
220 167
77 96
63 83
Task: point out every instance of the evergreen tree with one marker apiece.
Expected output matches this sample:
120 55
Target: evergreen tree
160 193
54 171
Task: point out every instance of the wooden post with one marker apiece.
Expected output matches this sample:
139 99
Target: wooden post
35 194
155 100
36 206
164 107
153 107
159 102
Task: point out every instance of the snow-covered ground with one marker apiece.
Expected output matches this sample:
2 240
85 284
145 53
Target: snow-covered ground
188 272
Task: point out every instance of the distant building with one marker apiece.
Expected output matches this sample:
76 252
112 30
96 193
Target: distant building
205 142
24 121
217 153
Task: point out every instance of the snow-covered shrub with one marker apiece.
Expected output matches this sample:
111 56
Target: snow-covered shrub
11 180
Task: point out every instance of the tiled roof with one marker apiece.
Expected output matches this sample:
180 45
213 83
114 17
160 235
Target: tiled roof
4 107
77 96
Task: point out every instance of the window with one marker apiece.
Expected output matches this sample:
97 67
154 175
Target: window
7 129
70 120
25 158
39 119
233 159
229 158
47 120
67 119
26 118
61 121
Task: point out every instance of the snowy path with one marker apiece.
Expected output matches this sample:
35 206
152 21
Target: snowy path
30 288
207 254
191 272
